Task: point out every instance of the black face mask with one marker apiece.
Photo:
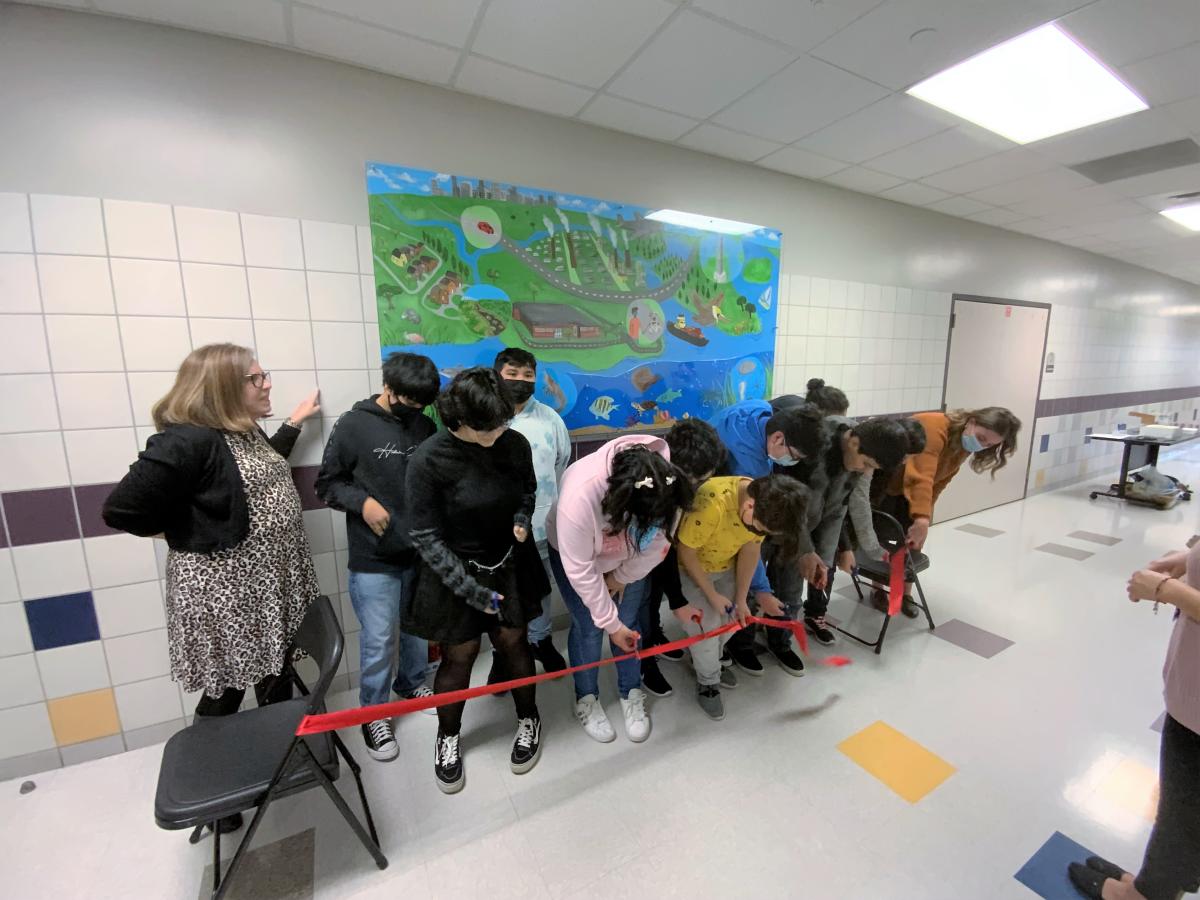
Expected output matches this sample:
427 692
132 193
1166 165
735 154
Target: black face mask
403 412
519 389
750 528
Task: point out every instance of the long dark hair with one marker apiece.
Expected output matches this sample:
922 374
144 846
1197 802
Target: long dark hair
644 492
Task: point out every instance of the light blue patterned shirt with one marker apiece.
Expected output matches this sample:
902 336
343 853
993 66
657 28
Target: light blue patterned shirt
551 446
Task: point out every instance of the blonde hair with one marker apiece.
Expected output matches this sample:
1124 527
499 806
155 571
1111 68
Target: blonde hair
993 418
209 390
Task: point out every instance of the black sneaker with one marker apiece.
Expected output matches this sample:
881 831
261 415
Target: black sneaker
547 654
673 655
527 745
788 660
818 629
909 607
747 661
380 740
495 676
653 680
447 764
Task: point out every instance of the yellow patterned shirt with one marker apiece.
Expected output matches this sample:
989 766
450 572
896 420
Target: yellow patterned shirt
713 527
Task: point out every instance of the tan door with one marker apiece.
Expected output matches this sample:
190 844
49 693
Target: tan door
995 359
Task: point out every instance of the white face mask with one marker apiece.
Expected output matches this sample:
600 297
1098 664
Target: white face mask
786 460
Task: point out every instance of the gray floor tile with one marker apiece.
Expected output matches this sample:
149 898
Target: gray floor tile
279 871
1105 539
978 640
1063 550
89 750
30 764
980 530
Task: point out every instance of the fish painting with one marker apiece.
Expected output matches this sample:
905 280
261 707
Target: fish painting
644 405
662 417
554 392
765 298
451 372
667 396
603 406
413 338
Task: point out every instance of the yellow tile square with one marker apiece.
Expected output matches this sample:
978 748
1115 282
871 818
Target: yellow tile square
84 717
1040 481
898 761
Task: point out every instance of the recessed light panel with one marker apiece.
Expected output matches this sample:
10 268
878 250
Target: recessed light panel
1188 215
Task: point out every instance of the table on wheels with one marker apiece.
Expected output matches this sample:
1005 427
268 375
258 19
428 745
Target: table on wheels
1147 449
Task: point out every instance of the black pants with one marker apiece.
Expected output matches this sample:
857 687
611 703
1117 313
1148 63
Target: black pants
272 689
1172 862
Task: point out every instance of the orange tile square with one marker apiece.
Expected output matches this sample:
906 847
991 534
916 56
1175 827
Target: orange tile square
897 760
84 717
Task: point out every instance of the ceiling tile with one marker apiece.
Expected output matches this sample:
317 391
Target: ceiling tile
1186 113
996 216
887 125
807 95
732 144
877 45
800 23
1168 77
1091 215
1133 132
446 21
989 171
939 152
577 40
625 115
1049 183
958 206
795 161
866 181
1124 31
259 20
914 193
1046 204
1033 226
1180 180
696 66
489 79
370 47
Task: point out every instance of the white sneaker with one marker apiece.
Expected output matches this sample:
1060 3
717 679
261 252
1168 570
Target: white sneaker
420 694
591 716
637 722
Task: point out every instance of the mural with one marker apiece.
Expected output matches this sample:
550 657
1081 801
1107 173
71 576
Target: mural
635 323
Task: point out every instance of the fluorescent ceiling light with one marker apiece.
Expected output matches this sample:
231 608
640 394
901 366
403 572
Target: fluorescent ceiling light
1036 85
701 223
1190 309
1188 215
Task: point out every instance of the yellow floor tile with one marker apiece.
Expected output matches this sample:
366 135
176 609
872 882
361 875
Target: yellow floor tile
898 761
84 717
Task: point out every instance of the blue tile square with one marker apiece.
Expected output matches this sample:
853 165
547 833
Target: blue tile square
63 620
1087 434
1120 426
1046 872
1045 445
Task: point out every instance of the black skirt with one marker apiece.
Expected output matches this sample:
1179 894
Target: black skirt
438 614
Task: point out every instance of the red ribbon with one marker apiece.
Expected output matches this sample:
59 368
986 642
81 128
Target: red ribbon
896 585
348 718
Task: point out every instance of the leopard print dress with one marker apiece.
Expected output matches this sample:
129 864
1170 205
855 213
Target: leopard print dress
231 614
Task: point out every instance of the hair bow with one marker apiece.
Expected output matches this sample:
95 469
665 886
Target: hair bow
646 482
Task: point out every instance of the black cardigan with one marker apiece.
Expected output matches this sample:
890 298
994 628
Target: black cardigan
186 486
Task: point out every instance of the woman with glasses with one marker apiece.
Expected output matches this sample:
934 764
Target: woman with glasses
471 489
239 574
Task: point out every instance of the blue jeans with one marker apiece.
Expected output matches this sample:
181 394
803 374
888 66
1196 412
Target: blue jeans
585 642
378 598
539 628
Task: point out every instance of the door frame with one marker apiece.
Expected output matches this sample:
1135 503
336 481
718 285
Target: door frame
999 301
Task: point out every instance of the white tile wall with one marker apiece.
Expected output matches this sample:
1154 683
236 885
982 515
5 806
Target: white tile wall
329 247
23 346
129 608
145 230
73 669
147 287
14 630
144 703
84 343
117 559
137 657
19 284
32 460
278 294
208 235
47 570
15 236
75 284
100 456
285 345
334 296
217 331
272 242
20 684
68 225
93 399
25 729
216 291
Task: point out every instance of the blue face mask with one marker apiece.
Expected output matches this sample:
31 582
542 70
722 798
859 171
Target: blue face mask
971 443
786 460
647 538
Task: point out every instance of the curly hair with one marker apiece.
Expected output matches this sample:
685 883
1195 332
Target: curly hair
695 447
475 398
830 400
644 492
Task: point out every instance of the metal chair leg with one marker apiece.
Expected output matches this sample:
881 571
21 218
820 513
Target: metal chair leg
887 620
356 771
216 888
351 819
924 605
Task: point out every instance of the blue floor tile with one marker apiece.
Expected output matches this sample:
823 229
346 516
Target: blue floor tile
1046 872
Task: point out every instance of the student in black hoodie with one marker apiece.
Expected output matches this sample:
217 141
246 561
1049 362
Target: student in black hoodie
363 473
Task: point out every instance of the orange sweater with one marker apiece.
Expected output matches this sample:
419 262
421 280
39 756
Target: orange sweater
923 478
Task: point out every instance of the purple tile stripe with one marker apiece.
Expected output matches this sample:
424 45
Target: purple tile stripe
38 517
3 529
1064 406
305 478
89 498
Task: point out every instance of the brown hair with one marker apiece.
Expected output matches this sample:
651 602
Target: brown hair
993 418
209 390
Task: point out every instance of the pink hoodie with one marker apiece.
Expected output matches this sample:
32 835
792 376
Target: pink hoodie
577 530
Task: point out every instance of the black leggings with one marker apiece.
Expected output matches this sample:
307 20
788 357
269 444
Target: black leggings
454 673
1172 862
272 689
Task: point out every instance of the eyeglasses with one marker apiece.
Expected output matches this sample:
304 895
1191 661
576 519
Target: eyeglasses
258 379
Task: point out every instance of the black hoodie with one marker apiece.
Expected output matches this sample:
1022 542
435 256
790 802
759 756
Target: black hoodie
367 456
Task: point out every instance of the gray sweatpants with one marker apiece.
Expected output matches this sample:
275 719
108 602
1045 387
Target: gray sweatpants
706 655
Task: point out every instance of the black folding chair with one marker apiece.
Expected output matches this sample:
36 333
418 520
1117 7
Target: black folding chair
891 538
224 765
